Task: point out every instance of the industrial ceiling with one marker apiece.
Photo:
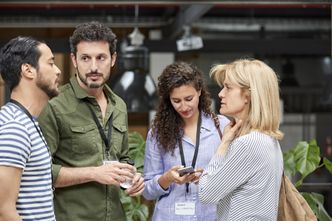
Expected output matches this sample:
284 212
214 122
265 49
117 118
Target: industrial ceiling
296 20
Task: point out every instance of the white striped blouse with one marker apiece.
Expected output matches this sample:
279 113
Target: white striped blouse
245 182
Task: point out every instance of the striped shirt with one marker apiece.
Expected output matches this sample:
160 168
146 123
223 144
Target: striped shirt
245 183
21 146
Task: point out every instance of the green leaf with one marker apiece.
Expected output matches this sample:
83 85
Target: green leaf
316 203
135 210
137 149
307 157
125 199
328 164
289 163
141 212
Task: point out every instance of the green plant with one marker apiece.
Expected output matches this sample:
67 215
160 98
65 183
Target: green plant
133 206
304 159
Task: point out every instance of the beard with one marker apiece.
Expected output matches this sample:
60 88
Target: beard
46 88
92 85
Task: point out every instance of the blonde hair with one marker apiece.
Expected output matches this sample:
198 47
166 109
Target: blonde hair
261 83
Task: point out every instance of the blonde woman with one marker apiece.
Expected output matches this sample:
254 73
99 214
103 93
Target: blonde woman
243 177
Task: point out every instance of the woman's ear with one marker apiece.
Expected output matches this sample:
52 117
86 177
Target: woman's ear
247 97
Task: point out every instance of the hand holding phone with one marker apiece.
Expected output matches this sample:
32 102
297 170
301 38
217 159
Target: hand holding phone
185 170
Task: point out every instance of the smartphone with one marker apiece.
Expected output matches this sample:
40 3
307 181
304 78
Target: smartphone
185 170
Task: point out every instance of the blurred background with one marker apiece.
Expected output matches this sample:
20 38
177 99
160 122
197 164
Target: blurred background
293 37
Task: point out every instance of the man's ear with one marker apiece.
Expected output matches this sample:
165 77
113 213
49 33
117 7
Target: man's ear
73 59
28 71
113 59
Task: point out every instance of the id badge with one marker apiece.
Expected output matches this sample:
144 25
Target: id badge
186 208
109 161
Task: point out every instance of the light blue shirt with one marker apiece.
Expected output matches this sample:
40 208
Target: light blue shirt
157 162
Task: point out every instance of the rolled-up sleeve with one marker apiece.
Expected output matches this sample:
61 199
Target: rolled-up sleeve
153 169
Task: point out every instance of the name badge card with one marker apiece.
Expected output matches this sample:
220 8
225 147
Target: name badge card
185 208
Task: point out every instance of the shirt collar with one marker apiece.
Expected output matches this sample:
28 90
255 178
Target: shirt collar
80 93
206 125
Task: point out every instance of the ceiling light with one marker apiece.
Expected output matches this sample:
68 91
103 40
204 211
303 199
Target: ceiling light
189 41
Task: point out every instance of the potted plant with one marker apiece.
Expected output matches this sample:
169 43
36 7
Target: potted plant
135 209
303 160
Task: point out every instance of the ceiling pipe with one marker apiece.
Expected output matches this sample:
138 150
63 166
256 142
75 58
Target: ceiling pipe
112 4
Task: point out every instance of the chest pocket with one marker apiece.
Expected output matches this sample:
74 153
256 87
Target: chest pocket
118 135
84 138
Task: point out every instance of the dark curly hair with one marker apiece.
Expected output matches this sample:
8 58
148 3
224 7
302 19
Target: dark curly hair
92 31
167 124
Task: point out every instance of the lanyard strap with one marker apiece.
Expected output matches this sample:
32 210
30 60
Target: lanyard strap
198 135
101 130
37 128
217 124
31 118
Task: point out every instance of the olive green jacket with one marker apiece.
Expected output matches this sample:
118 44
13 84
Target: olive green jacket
74 141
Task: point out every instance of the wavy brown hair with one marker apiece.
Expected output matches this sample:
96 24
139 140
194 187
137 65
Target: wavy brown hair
167 125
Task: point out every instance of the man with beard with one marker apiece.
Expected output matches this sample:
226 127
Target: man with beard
28 69
87 130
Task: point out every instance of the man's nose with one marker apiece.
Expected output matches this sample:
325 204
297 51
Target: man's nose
94 66
58 71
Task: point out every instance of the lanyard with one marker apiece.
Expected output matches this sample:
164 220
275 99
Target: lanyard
37 128
31 118
100 128
101 131
198 134
217 124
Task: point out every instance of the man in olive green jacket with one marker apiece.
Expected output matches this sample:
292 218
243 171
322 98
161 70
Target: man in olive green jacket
86 128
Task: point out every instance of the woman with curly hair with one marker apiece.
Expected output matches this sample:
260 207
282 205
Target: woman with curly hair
184 132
